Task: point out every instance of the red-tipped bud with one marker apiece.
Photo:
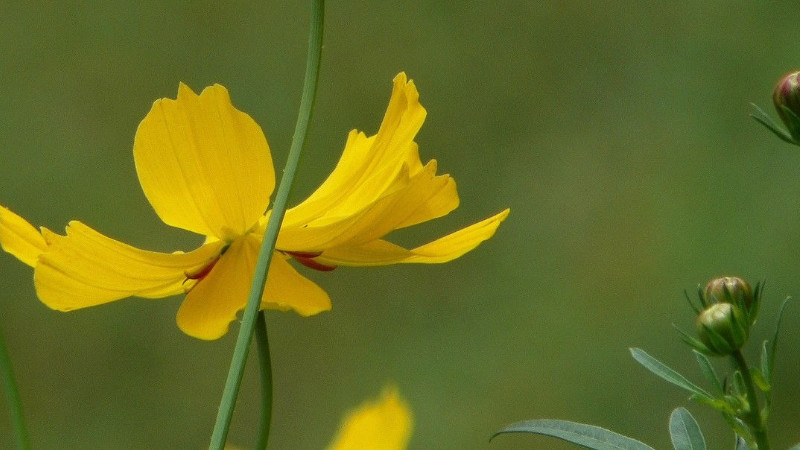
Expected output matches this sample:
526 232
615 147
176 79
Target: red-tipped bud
732 290
787 97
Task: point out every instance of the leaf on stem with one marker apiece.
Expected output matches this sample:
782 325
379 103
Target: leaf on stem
739 386
708 372
764 119
684 431
691 303
760 380
768 353
766 362
661 370
589 436
691 341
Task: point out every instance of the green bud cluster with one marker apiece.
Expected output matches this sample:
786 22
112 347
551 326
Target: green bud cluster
735 291
729 309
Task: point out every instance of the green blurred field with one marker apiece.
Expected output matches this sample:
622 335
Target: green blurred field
617 132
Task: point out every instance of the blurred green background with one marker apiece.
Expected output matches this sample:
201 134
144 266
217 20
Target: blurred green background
617 132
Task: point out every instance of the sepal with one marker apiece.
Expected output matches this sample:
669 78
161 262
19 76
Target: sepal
764 119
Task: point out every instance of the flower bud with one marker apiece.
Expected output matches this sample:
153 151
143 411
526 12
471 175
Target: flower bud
787 96
729 290
722 329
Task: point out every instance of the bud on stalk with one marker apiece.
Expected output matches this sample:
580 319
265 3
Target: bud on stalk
722 328
786 98
729 290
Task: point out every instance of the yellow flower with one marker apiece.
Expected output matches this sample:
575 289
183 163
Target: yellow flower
383 424
206 167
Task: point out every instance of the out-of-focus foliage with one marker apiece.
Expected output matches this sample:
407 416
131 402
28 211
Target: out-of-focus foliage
616 132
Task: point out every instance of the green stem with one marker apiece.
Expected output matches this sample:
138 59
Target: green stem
753 417
231 390
12 396
265 363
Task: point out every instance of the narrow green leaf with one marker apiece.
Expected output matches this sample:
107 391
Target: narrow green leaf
769 364
766 374
759 380
708 372
739 386
588 436
764 119
691 341
718 404
791 117
691 303
702 296
684 431
661 370
758 295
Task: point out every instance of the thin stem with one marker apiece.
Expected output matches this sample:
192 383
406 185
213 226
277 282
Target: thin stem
265 363
12 396
753 418
234 380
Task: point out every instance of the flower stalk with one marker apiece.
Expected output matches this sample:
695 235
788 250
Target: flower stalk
235 373
265 365
752 416
12 397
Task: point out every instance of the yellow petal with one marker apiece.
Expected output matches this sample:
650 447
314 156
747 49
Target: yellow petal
204 165
213 303
447 248
20 238
288 289
438 200
383 424
421 197
85 268
369 165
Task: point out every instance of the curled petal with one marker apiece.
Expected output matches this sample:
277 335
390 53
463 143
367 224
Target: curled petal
20 238
214 302
379 185
413 199
85 268
370 166
447 248
382 424
204 165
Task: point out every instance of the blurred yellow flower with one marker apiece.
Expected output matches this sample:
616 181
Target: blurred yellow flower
206 167
382 424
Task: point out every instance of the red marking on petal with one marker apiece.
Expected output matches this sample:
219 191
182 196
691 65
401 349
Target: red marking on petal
307 259
303 254
202 273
